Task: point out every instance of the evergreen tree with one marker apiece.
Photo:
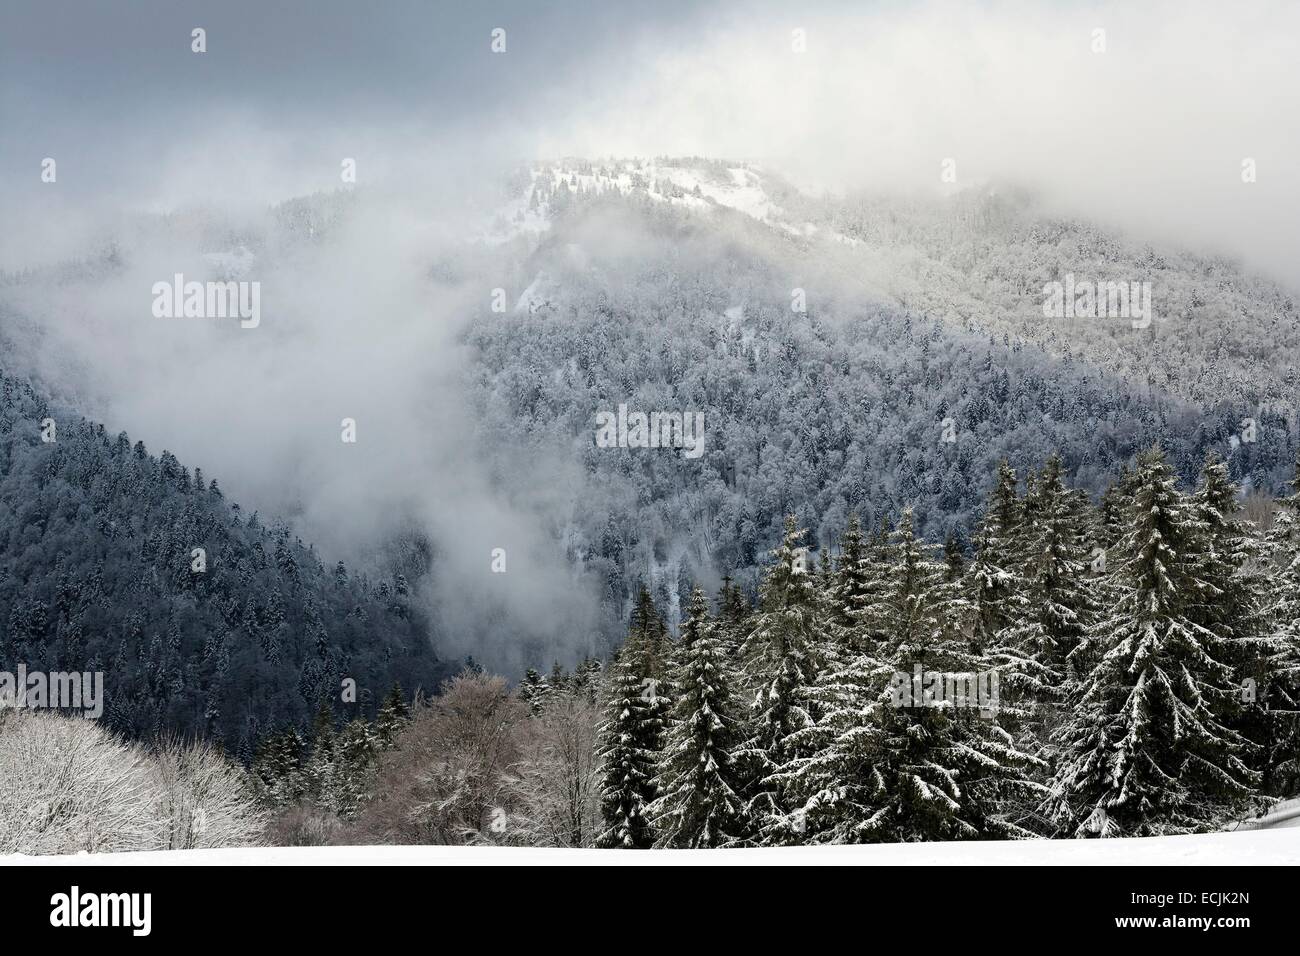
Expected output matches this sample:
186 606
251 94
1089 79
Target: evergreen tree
1056 607
699 803
319 770
393 716
1114 508
1233 567
352 769
532 691
954 558
648 635
994 581
627 755
825 571
277 768
1229 557
650 655
780 657
558 681
631 736
891 762
1148 749
733 614
1276 669
850 589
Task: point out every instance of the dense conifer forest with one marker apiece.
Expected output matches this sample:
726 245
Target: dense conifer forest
98 573
1129 667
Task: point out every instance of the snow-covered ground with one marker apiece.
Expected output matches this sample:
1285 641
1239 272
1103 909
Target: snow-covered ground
1266 847
1283 815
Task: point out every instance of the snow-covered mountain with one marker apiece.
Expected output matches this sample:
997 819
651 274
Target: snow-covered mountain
830 342
680 282
979 259
689 183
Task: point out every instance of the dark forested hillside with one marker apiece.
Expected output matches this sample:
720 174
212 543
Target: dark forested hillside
99 571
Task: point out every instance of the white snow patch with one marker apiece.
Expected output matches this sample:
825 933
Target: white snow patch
1278 847
695 187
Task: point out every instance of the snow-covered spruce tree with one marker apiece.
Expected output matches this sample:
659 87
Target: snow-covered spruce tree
393 717
1278 668
877 567
653 651
1149 749
588 679
1229 558
993 578
850 588
699 803
352 772
1056 604
890 766
318 772
996 588
1113 520
627 763
954 558
731 625
631 735
277 768
780 659
556 682
836 791
531 691
1235 606
825 572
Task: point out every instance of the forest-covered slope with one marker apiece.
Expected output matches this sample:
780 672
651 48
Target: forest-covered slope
626 288
97 572
847 354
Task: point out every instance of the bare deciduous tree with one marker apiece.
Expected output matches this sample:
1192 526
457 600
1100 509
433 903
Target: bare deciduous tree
67 785
451 778
204 799
558 776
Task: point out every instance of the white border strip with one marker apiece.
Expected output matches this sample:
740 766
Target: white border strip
1279 847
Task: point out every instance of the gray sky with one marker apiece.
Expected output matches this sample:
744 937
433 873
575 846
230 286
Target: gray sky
1149 135
115 90
306 60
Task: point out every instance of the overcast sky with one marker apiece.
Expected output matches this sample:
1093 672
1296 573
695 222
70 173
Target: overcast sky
115 91
1149 135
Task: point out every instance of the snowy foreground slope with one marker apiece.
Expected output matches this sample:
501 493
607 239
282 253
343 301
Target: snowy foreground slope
1271 847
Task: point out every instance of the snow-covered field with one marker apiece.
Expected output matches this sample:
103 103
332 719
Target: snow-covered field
1278 846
